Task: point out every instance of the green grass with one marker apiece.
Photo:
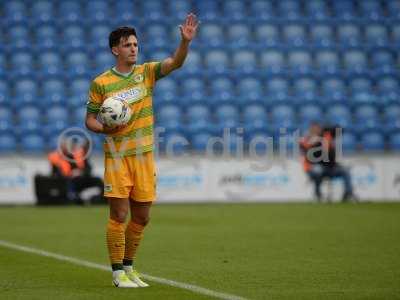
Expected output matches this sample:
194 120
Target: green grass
258 251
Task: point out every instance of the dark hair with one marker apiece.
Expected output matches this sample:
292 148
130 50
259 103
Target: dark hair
117 34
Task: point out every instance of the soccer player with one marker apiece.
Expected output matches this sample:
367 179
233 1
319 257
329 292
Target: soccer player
129 175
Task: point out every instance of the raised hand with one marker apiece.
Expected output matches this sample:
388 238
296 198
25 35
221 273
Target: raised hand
189 28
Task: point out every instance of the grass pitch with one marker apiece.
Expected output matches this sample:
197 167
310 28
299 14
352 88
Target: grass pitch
257 251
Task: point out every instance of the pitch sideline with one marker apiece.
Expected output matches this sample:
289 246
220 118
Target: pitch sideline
80 262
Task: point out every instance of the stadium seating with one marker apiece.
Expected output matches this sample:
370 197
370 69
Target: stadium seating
261 65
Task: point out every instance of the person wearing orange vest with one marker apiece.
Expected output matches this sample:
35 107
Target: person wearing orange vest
319 160
66 163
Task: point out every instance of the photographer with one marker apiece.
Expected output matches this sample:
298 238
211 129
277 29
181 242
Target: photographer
319 160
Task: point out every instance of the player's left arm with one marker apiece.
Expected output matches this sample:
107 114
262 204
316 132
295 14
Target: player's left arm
188 32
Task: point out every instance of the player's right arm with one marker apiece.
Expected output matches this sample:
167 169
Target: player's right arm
96 98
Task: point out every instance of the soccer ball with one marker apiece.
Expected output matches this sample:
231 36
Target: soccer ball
114 112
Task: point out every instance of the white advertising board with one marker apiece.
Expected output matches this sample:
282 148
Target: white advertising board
196 179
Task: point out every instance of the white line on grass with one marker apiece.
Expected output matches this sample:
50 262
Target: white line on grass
85 263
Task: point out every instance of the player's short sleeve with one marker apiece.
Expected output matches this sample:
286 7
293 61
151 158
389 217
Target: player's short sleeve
95 97
153 71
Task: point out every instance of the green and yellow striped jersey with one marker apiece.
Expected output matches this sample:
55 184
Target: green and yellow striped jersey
137 90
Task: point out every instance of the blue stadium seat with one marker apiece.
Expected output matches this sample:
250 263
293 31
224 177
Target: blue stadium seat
245 61
383 62
393 9
103 61
289 9
262 10
8 143
282 118
376 35
254 112
19 38
249 90
97 11
54 92
199 141
394 142
310 113
168 113
193 90
5 99
207 10
389 90
395 28
349 35
272 62
77 64
50 65
344 10
256 126
235 9
371 9
26 127
355 62
6 126
57 113
294 35
316 9
42 12
126 11
153 10
327 62
6 114
79 86
322 35
79 115
391 119
200 126
360 84
216 61
178 9
349 142
339 115
222 90
74 38
390 112
29 113
198 112
212 35
300 62
277 91
366 119
193 64
76 101
305 90
226 112
239 35
15 12
267 35
46 38
157 35
26 90
373 141
70 12
158 55
22 64
333 90
32 143
166 91
98 38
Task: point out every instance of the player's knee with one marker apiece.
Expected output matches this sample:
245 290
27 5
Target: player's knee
119 216
142 220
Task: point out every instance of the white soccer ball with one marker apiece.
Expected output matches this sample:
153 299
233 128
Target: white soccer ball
114 112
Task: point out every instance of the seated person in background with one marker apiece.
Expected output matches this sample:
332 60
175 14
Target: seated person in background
319 160
71 163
